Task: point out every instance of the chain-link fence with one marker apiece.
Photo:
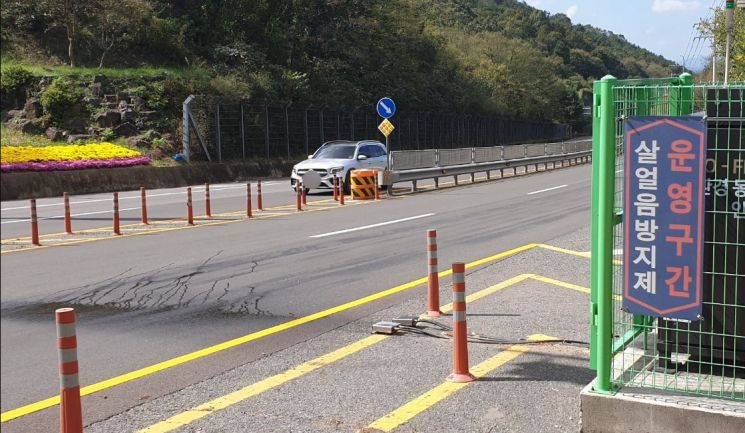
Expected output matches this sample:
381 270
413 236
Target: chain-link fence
704 356
244 131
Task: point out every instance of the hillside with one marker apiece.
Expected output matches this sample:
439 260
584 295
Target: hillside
497 57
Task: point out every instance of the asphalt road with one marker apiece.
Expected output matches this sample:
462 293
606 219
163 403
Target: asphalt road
145 299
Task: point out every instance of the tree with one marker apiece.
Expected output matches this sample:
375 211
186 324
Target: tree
72 15
715 28
119 22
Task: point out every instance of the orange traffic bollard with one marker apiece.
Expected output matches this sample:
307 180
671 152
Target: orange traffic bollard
298 196
71 413
143 204
341 192
34 224
304 194
116 214
249 213
207 204
335 186
460 373
377 187
259 202
433 280
189 210
68 222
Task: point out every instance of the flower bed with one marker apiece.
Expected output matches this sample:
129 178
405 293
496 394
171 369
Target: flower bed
72 157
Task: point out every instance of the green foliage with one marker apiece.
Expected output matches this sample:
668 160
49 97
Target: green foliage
59 97
14 78
107 134
716 28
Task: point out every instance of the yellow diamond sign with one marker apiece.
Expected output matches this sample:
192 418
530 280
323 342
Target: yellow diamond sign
386 127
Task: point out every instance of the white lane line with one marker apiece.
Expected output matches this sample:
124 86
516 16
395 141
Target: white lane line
71 216
198 189
547 189
372 226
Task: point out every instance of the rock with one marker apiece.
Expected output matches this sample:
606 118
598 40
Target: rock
157 154
24 125
125 130
15 113
92 100
76 125
138 102
32 108
122 96
96 89
78 137
54 134
108 118
151 135
94 131
122 105
137 142
148 115
127 116
110 98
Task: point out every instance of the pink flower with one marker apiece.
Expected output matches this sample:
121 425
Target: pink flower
75 165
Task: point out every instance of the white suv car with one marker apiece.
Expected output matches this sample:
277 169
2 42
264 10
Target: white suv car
339 158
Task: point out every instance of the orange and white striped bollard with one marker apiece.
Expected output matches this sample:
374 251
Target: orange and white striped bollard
304 194
249 212
189 209
433 280
71 413
117 230
335 185
341 192
34 224
298 194
460 373
68 222
377 187
259 201
207 203
143 204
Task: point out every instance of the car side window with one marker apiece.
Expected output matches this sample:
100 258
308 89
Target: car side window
380 150
367 151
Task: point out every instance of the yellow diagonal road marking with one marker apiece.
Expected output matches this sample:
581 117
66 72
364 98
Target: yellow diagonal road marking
137 374
439 393
490 290
225 401
220 403
584 254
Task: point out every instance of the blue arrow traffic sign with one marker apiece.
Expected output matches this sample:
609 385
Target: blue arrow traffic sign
386 108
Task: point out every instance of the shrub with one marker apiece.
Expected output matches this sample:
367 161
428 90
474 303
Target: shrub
107 134
14 78
59 97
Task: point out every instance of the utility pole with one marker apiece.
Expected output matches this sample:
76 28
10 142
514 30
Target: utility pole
729 23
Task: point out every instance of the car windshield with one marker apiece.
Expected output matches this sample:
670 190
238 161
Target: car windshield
335 152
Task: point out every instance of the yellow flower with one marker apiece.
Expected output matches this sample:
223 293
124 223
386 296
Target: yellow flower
74 152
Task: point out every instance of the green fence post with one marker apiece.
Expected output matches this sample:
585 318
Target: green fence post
681 96
603 157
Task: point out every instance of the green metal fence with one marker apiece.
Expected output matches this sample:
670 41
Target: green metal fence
704 357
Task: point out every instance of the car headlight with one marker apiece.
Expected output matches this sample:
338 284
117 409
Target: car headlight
335 170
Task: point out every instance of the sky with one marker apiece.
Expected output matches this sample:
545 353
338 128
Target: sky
665 27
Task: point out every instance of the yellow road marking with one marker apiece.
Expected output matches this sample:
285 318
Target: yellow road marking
490 290
439 393
228 400
220 403
257 216
574 253
569 286
136 374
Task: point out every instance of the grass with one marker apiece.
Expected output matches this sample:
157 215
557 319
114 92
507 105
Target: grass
144 71
12 137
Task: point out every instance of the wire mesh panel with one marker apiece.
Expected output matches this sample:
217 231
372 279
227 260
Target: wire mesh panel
450 157
535 149
554 148
705 356
514 152
410 159
487 154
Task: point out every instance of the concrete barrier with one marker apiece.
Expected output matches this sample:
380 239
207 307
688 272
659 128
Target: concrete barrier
23 185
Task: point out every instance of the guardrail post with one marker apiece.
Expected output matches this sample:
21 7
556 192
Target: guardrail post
603 171
71 413
68 222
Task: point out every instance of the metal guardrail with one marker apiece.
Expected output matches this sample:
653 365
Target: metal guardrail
414 165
